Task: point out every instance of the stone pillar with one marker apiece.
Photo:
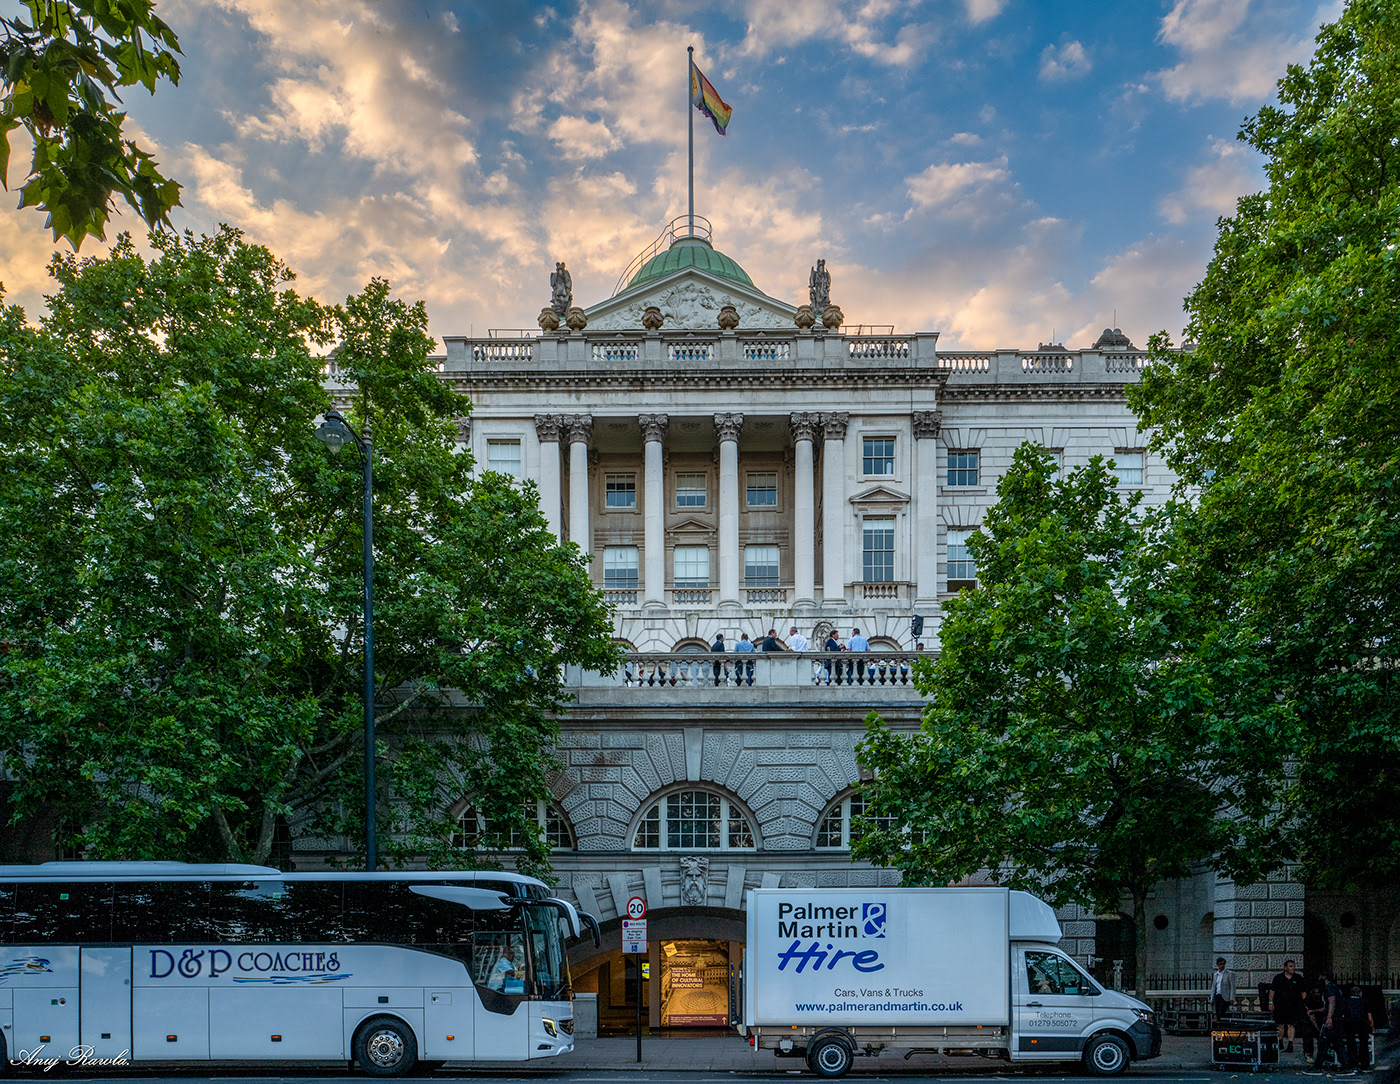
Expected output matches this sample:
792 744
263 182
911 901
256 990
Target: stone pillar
654 509
927 426
580 431
547 428
804 503
834 512
727 428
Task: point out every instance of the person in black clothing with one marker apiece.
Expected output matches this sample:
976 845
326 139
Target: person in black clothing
717 647
770 642
1314 1009
1356 1029
1286 999
1331 1028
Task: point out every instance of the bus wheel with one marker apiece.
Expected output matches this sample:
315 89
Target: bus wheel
386 1047
1106 1055
829 1057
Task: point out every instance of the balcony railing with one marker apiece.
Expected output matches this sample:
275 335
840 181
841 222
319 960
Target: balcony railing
690 596
620 597
519 350
763 669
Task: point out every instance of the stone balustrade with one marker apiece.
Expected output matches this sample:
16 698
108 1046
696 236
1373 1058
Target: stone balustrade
733 672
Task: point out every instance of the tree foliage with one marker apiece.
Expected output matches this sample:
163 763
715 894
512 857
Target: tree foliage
1091 730
62 63
1286 412
180 572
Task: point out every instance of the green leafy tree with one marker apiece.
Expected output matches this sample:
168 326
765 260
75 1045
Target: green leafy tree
180 573
1286 413
62 64
1072 745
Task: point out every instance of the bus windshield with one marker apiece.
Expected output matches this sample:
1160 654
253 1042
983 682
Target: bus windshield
547 951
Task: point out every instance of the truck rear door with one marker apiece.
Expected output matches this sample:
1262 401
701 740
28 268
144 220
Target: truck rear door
1054 1006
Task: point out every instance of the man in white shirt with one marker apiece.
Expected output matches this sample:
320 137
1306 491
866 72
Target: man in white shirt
504 969
796 641
857 642
1222 988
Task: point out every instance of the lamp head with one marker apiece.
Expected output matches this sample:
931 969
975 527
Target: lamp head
334 433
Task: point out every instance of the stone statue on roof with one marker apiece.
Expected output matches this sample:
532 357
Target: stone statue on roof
819 287
561 285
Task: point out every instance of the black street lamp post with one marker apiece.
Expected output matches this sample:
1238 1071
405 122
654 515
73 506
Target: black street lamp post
334 432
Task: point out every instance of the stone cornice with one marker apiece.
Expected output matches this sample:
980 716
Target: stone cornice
966 393
632 379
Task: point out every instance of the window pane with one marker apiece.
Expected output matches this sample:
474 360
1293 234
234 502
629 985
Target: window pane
860 823
961 566
72 912
621 490
692 820
1127 468
763 491
962 468
829 833
162 912
691 566
877 455
503 456
739 834
620 567
691 490
761 566
649 828
556 830
877 559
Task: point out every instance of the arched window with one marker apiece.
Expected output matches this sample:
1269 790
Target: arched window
846 820
694 820
691 646
472 826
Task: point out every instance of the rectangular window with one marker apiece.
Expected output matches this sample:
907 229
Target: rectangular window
763 491
503 457
1127 467
1059 456
962 468
877 455
620 567
691 566
877 558
621 490
962 569
760 566
692 490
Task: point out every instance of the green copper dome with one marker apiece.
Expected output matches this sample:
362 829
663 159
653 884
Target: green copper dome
690 252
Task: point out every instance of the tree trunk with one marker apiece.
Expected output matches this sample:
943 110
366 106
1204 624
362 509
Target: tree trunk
1140 944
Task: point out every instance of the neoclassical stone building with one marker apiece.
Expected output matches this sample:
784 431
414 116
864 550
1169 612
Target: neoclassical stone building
735 464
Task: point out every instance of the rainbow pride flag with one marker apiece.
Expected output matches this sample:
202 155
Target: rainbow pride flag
706 98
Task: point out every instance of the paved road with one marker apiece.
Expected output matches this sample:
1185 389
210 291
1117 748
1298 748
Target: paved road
643 1075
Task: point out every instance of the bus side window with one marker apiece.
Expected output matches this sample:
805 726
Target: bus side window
499 962
162 912
55 911
7 914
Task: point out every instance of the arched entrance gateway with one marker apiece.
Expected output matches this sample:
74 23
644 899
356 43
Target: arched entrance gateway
692 952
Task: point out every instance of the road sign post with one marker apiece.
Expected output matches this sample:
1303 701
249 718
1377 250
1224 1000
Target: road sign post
634 941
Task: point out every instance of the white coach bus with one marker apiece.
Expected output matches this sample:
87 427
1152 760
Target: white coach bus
150 962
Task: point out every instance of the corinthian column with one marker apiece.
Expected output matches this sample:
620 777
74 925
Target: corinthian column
580 431
727 428
804 526
927 426
834 513
547 428
654 509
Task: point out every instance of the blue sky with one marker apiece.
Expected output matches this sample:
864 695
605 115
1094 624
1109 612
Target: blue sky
996 170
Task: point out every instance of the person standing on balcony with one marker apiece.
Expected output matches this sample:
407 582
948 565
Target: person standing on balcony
743 669
833 644
796 641
717 648
770 642
857 642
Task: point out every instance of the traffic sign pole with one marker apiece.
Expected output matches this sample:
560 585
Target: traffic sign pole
634 940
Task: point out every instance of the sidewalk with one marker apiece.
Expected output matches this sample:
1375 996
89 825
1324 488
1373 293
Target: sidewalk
733 1054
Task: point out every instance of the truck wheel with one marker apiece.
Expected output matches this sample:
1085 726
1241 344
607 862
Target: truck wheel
1106 1055
386 1047
829 1057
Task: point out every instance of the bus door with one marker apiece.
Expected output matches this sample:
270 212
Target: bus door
105 1001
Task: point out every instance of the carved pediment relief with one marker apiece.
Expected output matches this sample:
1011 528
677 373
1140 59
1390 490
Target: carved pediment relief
690 301
691 526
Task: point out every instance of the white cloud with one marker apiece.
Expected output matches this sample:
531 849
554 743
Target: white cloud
1059 64
979 11
860 24
1231 49
1231 170
578 138
944 182
965 139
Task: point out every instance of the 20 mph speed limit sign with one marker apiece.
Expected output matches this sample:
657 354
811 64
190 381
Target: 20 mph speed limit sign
636 907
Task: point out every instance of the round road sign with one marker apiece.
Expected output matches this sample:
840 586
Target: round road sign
636 907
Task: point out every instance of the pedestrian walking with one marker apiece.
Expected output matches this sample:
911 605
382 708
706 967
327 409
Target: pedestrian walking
1286 1002
1357 1026
1330 1038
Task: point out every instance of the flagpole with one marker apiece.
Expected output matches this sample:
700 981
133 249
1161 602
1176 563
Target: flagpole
690 112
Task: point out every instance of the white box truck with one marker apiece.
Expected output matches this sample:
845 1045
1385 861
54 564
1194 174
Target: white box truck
830 974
